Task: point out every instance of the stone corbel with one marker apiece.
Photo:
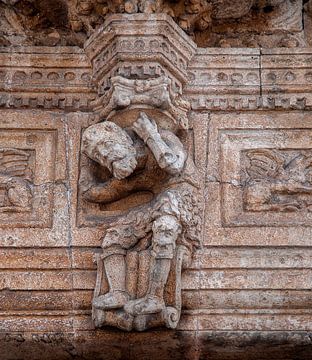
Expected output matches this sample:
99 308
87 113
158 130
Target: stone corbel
140 71
153 93
143 65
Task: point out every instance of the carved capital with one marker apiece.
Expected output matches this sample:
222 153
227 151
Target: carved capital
143 65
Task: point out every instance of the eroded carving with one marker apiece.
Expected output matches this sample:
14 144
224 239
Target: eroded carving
26 173
15 180
137 173
277 180
153 92
139 272
226 23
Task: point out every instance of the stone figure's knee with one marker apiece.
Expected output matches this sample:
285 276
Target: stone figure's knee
166 230
112 243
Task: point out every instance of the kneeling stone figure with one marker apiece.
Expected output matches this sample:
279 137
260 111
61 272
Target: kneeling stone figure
142 158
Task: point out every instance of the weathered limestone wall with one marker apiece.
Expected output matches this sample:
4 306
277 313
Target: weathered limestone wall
247 291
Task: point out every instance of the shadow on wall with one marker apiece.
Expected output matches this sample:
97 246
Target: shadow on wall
157 345
211 23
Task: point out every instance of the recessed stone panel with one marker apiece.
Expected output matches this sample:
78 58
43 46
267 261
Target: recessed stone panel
27 168
265 177
258 179
32 173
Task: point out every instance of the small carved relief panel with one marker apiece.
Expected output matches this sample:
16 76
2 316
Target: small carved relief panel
258 182
266 177
277 180
26 169
16 176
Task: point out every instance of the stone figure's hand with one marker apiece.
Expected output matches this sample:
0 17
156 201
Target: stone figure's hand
167 159
145 127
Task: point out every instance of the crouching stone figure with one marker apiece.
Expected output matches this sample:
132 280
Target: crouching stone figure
139 271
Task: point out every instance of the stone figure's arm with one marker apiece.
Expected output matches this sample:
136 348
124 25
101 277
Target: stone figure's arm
115 189
291 187
111 190
165 146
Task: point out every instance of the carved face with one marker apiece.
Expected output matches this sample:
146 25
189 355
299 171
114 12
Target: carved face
110 146
166 229
124 167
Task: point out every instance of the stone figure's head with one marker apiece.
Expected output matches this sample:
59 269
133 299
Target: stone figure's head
166 229
110 146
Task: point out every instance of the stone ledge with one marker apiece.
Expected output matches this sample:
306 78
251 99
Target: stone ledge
218 79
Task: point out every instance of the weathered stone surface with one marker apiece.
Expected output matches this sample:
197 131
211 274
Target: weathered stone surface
243 118
53 80
221 23
237 194
218 79
137 154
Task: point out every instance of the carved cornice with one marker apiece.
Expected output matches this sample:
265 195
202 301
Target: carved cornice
155 39
250 79
218 79
43 77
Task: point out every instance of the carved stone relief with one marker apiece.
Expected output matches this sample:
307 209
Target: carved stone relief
266 172
138 175
277 180
25 188
16 176
258 181
225 23
124 164
139 272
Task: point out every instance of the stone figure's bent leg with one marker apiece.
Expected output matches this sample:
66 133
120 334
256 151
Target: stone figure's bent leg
166 229
115 244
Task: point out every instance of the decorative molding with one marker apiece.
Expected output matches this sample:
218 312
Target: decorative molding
148 49
215 79
42 77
